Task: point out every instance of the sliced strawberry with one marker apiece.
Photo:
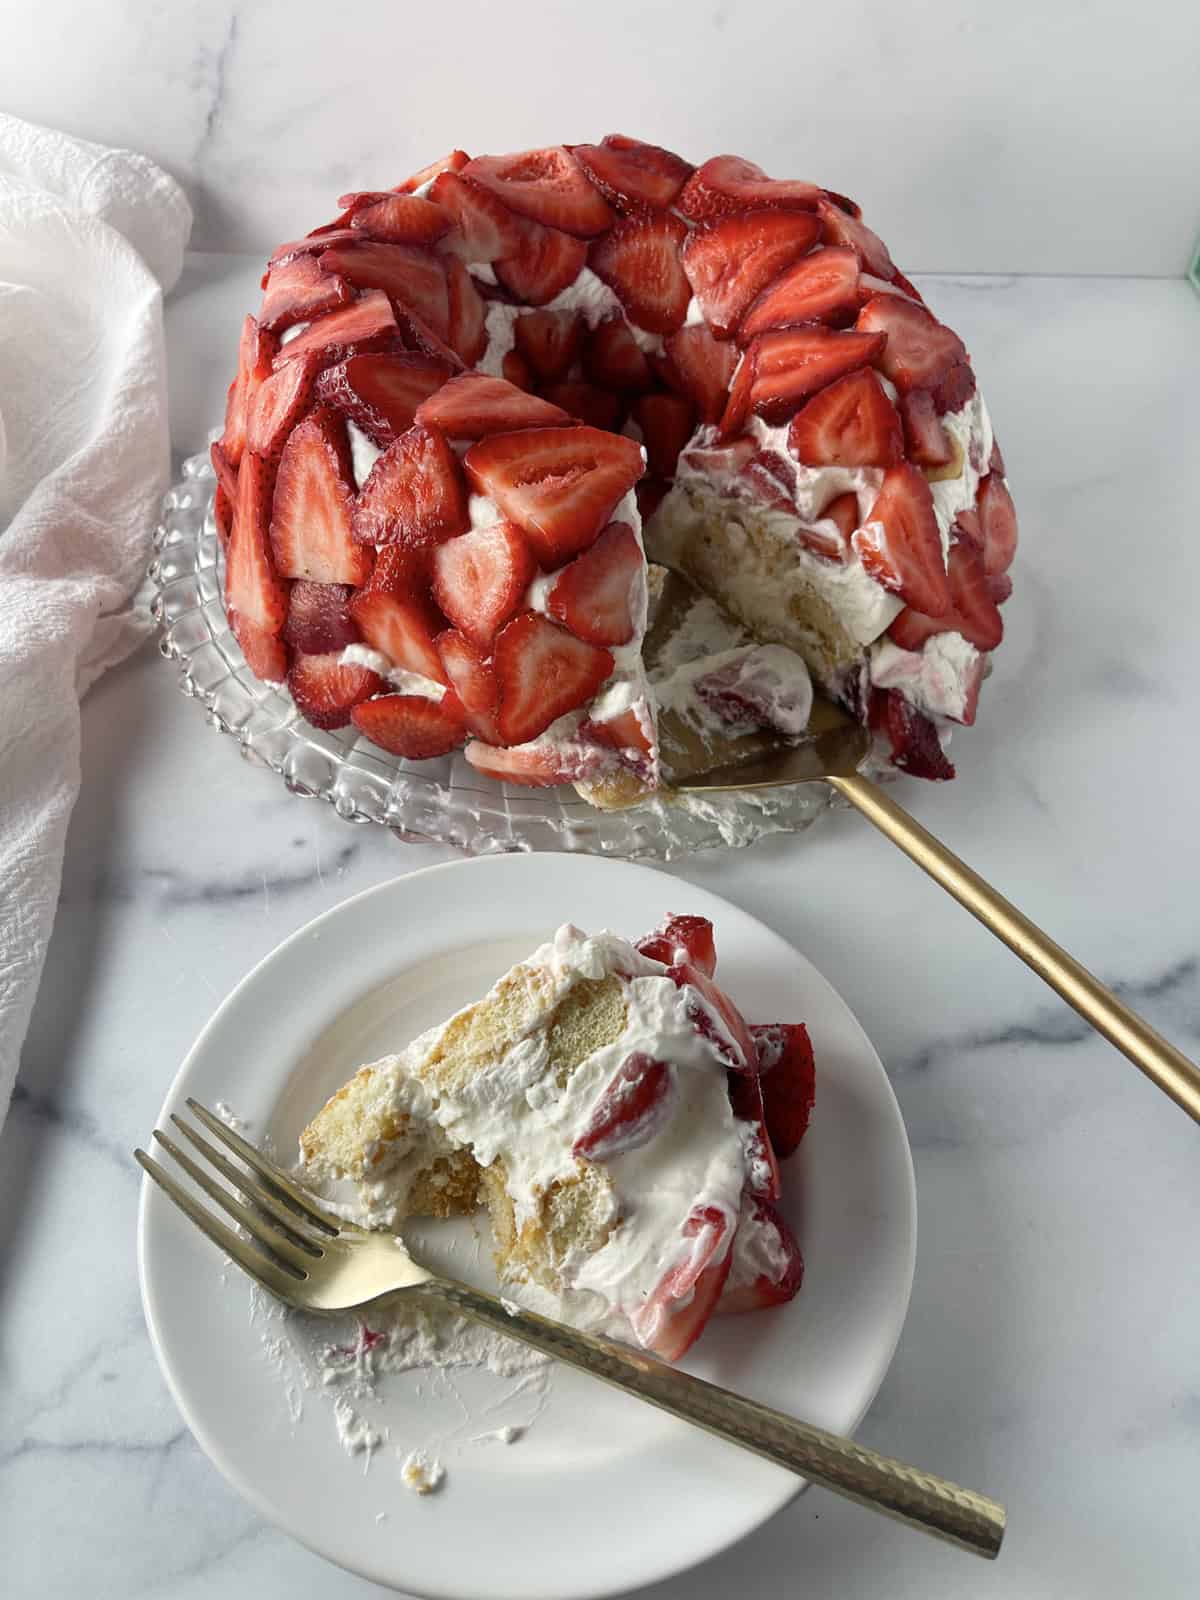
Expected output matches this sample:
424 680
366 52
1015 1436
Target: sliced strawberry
998 522
785 1062
972 613
792 363
223 504
326 692
716 1016
919 351
650 494
278 404
256 351
841 228
748 1288
594 595
480 578
549 341
639 260
484 229
226 471
741 393
613 358
869 286
633 1106
468 316
996 460
454 162
381 393
727 460
632 176
255 597
473 405
731 262
772 479
516 370
546 263
543 672
754 687
418 337
915 746
667 422
414 494
362 325
560 485
319 619
266 654
630 733
676 1311
999 586
533 766
548 186
955 389
298 290
681 939
402 627
968 528
398 218
925 440
819 287
411 726
597 407
314 501
843 512
313 244
899 543
473 679
852 423
730 183
701 367
413 278
746 1098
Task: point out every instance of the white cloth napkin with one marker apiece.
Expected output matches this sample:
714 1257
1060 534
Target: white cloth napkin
90 240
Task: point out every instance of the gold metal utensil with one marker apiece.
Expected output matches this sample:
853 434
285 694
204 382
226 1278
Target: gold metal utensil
317 1262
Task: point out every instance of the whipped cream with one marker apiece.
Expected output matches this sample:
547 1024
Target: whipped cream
588 295
941 679
364 453
402 681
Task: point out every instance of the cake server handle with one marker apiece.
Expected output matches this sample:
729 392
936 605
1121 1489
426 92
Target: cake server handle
1166 1066
918 1498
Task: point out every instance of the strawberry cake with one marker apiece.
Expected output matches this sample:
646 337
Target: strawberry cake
473 414
618 1118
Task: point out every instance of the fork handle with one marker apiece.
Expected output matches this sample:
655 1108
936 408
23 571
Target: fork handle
917 1498
1166 1066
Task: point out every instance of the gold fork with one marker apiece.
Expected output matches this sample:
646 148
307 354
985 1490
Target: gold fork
313 1260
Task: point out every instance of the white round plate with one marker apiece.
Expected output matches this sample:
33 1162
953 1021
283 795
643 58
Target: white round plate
603 1494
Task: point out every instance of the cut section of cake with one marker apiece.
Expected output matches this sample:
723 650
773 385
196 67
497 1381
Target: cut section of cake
614 1113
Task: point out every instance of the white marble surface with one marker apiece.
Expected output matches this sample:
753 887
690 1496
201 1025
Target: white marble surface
1016 137
1050 1353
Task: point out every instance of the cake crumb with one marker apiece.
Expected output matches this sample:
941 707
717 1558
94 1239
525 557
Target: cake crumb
423 1474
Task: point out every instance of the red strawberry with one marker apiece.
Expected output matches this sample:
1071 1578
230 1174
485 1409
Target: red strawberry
278 404
533 766
741 392
255 598
716 1016
972 610
326 692
999 586
731 262
842 229
546 263
381 393
543 672
926 441
633 1106
473 679
785 1062
597 407
560 485
650 494
667 422
843 512
630 733
226 471
223 504
955 389
480 578
702 367
398 218
746 1098
414 278
998 522
792 363
313 244
772 478
681 939
485 230
311 514
361 325
468 328
613 359
516 370
454 162
414 494
727 460
256 350
869 286
549 186
996 460
749 1289
817 288
409 725
852 423
474 405
594 594
968 528
632 176
899 543
319 619
419 337
639 260
919 350
730 183
400 626
549 341
915 746
298 290
674 1316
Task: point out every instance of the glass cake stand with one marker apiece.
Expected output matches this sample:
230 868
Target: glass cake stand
443 801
